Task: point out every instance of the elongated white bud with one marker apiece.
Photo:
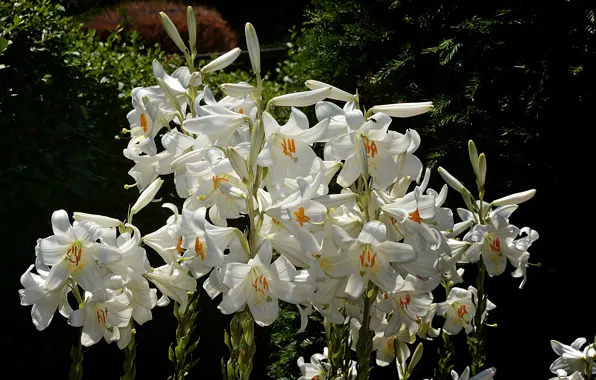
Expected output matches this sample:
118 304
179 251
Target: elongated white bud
336 93
403 109
256 140
172 31
515 199
238 163
254 51
361 156
104 221
301 99
237 89
146 196
481 170
221 62
487 374
192 29
451 180
473 153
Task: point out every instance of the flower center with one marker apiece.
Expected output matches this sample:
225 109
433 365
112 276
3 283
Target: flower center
101 314
300 217
371 147
144 122
289 147
75 252
462 311
217 180
415 216
199 248
391 344
367 260
495 245
261 287
404 302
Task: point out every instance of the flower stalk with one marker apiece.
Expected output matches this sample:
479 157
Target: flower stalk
364 345
181 355
129 366
242 347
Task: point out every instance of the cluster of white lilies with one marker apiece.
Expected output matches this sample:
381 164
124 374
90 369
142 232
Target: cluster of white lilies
369 255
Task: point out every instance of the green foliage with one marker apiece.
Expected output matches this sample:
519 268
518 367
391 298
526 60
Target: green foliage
242 347
286 346
497 72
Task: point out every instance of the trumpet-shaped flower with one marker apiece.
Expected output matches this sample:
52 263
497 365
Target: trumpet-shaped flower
259 284
368 257
72 251
101 316
572 358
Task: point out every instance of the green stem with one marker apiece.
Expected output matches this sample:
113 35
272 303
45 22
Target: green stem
339 351
129 366
478 340
181 355
364 345
446 351
76 355
241 345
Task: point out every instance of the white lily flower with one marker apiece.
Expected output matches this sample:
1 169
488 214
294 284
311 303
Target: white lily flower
147 168
44 302
72 251
102 315
287 152
379 146
409 303
368 257
172 283
237 89
572 358
459 310
202 242
259 284
316 369
487 374
562 375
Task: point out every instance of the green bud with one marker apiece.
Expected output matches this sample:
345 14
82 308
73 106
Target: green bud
172 31
473 152
192 29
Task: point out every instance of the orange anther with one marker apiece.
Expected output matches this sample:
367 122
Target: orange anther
371 146
199 248
74 253
179 248
461 311
495 246
217 180
289 147
415 216
144 122
300 217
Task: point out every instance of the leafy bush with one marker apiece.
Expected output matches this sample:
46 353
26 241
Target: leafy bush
213 32
64 96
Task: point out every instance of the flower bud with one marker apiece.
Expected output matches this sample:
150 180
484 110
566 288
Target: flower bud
192 28
237 89
238 163
146 196
301 99
104 221
254 51
481 170
257 136
222 61
515 199
416 357
336 93
361 156
451 180
468 199
487 374
473 153
403 109
172 31
196 79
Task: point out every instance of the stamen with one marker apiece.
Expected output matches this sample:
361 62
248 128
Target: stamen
179 248
415 216
300 217
289 147
199 248
144 122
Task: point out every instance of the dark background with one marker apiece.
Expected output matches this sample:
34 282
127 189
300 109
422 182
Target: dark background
555 304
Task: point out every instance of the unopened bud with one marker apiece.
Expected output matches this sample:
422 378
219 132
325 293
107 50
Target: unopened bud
146 196
451 180
301 99
254 51
172 31
336 93
196 79
515 199
473 153
481 170
222 61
